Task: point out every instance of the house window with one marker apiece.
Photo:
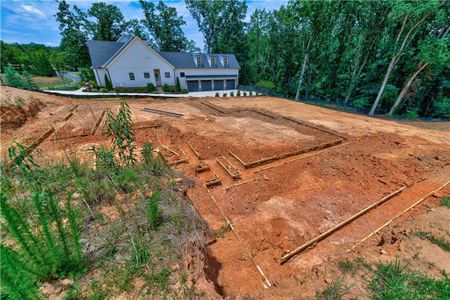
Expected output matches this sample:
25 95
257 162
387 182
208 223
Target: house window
225 61
198 60
167 74
146 75
131 75
182 74
213 61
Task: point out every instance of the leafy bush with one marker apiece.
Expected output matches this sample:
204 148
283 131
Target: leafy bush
216 95
184 91
265 84
446 202
224 94
86 74
251 93
441 108
412 114
151 87
231 94
104 158
238 93
103 90
120 130
361 102
166 88
245 94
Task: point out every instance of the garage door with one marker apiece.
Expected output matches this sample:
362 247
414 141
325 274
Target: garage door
218 85
230 85
192 85
206 85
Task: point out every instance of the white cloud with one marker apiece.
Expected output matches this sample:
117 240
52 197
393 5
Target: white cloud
33 11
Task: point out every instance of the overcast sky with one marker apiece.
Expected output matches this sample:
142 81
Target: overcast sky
25 21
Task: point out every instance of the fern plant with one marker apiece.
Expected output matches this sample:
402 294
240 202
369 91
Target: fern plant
120 130
50 250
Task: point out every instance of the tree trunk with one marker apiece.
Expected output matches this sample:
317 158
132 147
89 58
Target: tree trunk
300 81
349 93
383 85
406 88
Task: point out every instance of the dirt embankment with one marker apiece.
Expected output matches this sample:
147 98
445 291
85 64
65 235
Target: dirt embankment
15 111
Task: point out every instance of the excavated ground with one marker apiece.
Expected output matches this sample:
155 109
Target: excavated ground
303 169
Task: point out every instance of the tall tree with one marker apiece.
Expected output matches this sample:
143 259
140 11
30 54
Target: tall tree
74 35
164 25
108 22
412 16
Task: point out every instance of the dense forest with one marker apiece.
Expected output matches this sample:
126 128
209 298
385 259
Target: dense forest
386 56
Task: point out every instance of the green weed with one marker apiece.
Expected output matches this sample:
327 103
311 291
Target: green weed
154 216
442 243
335 291
394 281
446 202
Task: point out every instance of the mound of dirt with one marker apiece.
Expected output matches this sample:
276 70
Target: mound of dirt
14 115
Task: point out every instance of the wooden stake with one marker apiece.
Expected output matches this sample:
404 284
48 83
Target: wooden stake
398 215
286 257
238 184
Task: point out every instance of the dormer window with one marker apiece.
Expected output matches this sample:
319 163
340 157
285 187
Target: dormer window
213 61
225 62
198 60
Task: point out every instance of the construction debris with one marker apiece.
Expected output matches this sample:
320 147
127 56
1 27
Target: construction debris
201 168
163 112
229 168
215 180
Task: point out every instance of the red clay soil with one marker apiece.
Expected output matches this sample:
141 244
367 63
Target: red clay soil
280 204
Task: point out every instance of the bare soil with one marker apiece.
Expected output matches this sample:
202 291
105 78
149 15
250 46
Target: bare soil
303 168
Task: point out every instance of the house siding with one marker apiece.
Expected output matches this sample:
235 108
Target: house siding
138 59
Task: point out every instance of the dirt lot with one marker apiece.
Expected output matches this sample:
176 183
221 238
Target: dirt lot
288 172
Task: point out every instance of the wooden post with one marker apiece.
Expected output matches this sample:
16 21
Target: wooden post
286 257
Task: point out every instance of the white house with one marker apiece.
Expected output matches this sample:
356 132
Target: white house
130 62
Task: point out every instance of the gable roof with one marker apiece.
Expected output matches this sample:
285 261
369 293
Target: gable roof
103 52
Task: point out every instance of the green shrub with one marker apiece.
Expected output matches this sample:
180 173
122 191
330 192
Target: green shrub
216 95
108 83
251 93
231 94
86 74
22 81
446 202
265 84
412 114
104 158
184 91
361 102
103 90
151 87
245 94
441 107
120 130
177 85
154 216
166 88
238 93
224 94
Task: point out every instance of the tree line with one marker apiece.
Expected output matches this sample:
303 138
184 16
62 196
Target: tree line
385 56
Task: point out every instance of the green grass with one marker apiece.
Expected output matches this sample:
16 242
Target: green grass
335 291
395 281
442 243
65 83
446 202
348 266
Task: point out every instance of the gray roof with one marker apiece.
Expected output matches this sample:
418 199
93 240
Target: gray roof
103 51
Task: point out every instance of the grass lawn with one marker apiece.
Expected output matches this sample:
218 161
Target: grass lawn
53 83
